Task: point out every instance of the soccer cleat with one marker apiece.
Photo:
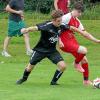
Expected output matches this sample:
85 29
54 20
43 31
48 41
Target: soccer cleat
87 82
79 68
20 81
29 52
6 54
54 83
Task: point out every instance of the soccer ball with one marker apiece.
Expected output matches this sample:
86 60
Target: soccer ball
96 83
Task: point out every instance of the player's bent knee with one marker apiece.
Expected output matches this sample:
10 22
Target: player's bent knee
62 65
85 50
82 50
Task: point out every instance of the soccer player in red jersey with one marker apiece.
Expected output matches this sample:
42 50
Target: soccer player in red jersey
62 5
69 44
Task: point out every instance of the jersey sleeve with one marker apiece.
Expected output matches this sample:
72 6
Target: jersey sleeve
81 27
41 26
12 3
64 27
66 18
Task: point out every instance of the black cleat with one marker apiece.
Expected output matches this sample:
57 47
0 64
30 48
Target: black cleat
20 81
54 83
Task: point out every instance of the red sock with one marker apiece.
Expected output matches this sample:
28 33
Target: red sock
86 73
79 57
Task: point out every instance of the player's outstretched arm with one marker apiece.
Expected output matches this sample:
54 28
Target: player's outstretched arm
85 34
30 29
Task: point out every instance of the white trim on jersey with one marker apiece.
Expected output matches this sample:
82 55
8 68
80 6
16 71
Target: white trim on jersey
81 27
49 23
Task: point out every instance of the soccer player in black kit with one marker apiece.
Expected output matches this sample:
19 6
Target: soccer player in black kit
46 47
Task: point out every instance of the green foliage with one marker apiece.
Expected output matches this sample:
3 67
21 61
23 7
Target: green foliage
2 5
92 13
43 6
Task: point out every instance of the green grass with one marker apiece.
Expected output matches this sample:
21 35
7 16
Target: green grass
37 87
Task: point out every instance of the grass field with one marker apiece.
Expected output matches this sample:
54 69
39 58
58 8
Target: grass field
37 87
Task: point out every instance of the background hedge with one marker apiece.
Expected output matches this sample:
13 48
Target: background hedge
43 6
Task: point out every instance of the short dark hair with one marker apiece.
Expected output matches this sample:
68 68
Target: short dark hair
79 6
56 14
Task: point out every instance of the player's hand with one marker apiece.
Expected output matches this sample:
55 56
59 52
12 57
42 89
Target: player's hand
98 41
24 30
20 12
61 45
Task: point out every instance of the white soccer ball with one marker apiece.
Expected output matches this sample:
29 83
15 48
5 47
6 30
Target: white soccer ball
96 83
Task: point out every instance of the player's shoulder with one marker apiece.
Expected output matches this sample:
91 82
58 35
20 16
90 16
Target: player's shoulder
44 26
46 23
66 18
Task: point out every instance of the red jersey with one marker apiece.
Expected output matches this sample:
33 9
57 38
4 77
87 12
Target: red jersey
67 37
63 5
71 21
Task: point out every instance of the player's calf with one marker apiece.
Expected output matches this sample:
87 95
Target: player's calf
61 67
79 56
25 74
85 66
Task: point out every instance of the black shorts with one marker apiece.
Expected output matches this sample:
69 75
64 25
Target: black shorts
36 57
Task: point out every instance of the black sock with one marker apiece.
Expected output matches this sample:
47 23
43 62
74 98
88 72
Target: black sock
57 75
85 78
25 74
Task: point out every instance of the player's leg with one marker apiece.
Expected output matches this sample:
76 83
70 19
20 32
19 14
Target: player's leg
27 44
85 66
78 52
35 58
26 38
73 47
58 73
26 73
5 46
58 60
79 55
11 32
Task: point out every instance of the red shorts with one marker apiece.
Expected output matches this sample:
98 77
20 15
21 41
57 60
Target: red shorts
70 44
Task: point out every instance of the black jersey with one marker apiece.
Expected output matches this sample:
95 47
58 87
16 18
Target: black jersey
49 36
